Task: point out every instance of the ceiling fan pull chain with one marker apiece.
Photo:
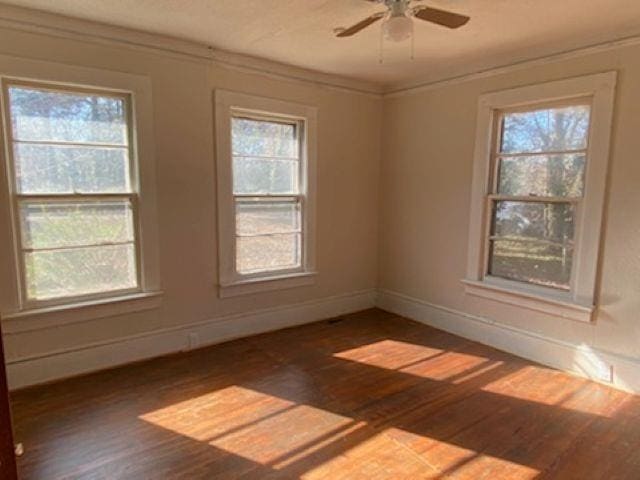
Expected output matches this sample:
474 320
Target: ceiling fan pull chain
381 59
413 46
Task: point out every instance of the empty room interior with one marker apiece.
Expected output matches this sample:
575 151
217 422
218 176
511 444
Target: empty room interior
320 239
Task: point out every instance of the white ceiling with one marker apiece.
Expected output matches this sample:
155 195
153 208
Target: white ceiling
300 32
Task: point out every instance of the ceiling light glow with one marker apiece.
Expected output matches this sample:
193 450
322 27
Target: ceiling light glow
397 28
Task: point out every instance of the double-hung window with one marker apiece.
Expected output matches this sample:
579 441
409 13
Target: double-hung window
77 196
266 192
75 206
537 189
541 157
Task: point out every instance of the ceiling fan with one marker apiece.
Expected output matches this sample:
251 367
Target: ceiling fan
398 23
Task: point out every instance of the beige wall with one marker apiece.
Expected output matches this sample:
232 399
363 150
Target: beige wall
396 219
348 177
426 187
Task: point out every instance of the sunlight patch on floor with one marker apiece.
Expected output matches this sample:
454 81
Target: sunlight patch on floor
453 367
448 458
259 427
218 413
275 439
478 466
389 354
309 441
417 360
546 386
378 457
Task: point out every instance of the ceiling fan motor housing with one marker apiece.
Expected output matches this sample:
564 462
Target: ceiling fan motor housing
397 7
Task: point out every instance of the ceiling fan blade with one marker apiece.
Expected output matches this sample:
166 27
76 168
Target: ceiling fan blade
347 32
440 17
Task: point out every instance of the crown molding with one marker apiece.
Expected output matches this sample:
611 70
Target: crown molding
38 21
250 64
45 23
411 88
60 26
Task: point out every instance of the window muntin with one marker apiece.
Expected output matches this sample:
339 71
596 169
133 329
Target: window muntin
74 196
267 170
536 191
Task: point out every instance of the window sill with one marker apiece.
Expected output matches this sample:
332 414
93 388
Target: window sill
530 301
41 318
266 284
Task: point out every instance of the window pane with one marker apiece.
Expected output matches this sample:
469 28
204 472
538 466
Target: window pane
552 222
262 175
63 169
38 114
554 129
256 138
533 242
81 271
267 253
254 217
55 225
532 262
542 175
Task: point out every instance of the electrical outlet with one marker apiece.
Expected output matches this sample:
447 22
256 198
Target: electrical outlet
604 373
193 340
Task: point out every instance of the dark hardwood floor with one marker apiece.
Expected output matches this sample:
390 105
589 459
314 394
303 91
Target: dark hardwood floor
372 396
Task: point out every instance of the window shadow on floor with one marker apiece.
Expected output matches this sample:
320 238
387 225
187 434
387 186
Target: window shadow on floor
371 396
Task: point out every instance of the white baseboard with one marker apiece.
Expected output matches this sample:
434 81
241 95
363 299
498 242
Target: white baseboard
601 366
585 361
33 370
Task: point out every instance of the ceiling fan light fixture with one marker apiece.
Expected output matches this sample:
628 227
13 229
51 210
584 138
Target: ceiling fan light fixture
397 28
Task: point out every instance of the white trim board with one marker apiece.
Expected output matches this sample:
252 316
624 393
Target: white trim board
616 370
60 26
596 92
601 366
229 105
45 23
37 369
411 88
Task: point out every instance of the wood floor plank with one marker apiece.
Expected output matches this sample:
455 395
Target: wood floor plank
367 396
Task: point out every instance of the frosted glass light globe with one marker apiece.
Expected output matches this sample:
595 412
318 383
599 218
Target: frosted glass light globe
397 28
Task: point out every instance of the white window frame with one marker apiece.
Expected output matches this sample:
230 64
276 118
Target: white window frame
42 314
227 105
20 198
578 303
